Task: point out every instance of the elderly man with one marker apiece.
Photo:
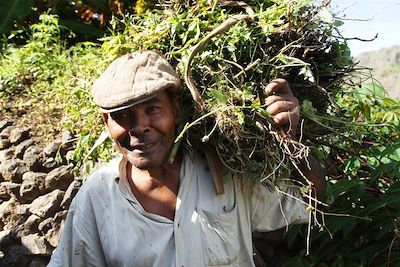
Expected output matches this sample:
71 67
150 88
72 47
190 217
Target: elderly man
142 210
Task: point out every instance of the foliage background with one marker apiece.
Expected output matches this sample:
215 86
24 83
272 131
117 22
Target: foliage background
47 66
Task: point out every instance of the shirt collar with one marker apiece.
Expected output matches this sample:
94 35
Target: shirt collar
123 182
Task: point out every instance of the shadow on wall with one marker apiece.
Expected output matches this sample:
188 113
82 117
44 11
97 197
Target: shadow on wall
18 256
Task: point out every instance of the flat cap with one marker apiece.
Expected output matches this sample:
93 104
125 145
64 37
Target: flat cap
133 78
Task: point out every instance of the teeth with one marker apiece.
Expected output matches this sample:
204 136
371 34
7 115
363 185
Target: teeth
144 146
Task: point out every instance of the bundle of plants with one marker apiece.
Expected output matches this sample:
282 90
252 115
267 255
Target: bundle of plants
227 52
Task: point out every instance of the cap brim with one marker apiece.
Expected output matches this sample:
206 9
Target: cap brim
130 104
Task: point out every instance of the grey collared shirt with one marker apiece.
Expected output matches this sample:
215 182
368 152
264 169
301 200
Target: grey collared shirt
107 226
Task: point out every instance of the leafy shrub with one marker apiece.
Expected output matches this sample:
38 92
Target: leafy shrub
51 84
360 226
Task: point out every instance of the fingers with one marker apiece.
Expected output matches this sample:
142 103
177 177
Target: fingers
289 99
282 105
278 86
289 118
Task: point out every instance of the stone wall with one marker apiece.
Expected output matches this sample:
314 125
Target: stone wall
35 193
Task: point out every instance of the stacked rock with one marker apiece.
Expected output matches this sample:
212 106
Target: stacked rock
36 189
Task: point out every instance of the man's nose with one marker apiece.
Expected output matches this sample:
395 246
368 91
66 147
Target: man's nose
140 125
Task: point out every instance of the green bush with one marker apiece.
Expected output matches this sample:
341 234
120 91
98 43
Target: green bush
360 227
51 83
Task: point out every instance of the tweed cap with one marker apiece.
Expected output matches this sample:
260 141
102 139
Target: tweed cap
133 78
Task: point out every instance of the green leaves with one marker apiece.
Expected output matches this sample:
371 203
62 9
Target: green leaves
219 96
363 196
271 20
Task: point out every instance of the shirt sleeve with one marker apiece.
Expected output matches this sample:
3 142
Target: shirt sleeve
273 208
79 244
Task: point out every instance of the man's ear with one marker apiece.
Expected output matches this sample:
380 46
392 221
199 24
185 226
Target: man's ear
105 117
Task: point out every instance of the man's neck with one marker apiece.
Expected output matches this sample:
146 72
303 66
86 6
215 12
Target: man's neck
156 189
166 174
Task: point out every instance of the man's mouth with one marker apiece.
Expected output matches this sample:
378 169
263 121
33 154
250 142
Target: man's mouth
138 146
143 147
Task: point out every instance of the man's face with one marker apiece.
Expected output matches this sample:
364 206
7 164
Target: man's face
145 132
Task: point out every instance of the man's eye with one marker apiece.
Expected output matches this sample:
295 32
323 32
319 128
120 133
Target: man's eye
154 108
119 116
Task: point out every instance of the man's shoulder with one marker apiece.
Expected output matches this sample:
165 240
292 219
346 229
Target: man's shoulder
104 175
97 188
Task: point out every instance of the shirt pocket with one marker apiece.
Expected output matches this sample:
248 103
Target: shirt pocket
219 237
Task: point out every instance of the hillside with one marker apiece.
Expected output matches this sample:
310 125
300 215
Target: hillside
385 65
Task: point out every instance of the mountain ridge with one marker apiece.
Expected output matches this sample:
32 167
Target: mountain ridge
385 67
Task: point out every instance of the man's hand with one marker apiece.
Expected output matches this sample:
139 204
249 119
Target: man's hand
284 108
282 105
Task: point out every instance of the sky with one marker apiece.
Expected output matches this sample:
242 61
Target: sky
366 18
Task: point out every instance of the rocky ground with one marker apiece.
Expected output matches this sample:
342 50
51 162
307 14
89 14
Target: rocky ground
36 188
